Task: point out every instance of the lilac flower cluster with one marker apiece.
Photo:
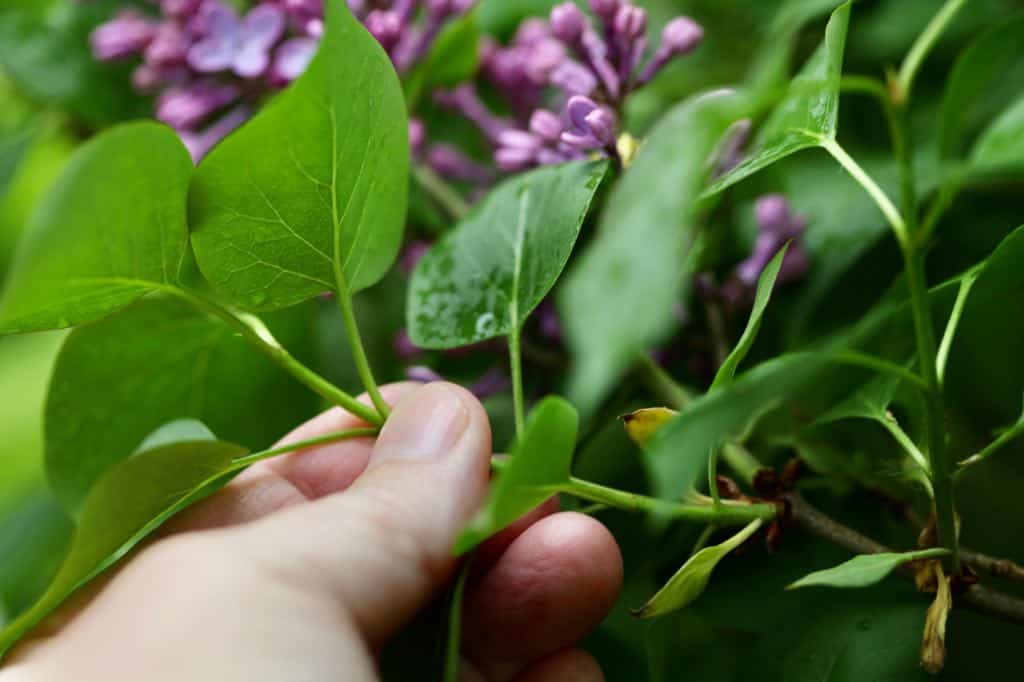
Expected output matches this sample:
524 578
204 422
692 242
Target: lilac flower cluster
565 81
209 66
776 225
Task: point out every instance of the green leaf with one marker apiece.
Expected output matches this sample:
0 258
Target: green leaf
868 402
111 230
162 360
689 581
538 465
310 195
864 570
972 74
453 59
677 455
13 149
808 112
484 278
618 299
453 637
134 499
765 285
1001 147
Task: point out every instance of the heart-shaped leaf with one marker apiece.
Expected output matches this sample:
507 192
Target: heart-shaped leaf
987 56
765 285
538 465
619 298
117 380
310 195
484 278
111 230
808 112
131 501
865 569
689 581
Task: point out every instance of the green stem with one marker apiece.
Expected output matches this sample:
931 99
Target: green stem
966 284
355 343
516 363
249 460
1007 436
441 192
872 188
922 46
257 334
941 471
661 384
726 514
905 441
716 499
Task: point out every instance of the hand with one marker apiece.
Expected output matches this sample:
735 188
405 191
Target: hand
305 566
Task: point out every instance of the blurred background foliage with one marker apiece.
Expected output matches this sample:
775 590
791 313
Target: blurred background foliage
53 96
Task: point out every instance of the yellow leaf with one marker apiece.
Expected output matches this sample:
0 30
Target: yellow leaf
643 424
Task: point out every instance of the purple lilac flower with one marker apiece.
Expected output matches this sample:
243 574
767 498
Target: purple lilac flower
569 65
777 224
492 382
209 66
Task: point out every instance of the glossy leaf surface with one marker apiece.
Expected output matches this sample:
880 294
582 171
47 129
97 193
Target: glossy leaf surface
310 195
111 230
689 581
765 285
864 570
539 463
808 112
484 278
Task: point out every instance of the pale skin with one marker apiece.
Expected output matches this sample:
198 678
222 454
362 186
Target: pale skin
304 567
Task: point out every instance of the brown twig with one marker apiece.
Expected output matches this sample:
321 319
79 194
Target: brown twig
979 561
979 598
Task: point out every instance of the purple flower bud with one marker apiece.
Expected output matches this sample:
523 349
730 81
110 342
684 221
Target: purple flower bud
573 78
449 162
681 36
404 347
169 46
605 9
546 125
291 60
179 9
795 264
630 23
542 58
126 34
417 134
444 9
186 106
491 383
772 212
517 150
548 322
531 32
592 126
387 27
422 374
568 23
464 101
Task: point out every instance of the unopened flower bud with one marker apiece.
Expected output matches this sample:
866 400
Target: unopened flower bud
568 22
630 22
605 9
681 36
601 123
126 34
772 212
386 27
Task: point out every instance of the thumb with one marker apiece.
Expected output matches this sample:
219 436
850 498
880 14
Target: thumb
383 547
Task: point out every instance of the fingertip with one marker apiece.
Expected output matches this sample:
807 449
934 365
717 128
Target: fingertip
569 665
553 584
